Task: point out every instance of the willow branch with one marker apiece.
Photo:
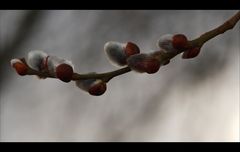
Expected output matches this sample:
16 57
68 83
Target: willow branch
198 42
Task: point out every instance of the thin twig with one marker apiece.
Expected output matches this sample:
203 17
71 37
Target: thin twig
228 25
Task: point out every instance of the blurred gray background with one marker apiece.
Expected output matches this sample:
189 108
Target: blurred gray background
187 100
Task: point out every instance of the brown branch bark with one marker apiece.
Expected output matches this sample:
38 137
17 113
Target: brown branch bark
228 25
198 42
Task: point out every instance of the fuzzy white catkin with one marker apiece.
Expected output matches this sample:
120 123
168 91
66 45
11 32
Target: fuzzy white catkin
54 61
165 43
115 53
35 58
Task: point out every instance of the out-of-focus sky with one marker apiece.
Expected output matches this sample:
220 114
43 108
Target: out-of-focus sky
187 100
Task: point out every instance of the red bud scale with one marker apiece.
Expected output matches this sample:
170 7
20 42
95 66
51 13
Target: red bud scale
19 66
191 53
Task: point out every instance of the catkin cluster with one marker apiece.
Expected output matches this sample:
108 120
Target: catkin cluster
119 54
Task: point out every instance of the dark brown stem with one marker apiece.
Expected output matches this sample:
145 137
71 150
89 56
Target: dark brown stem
198 42
229 24
104 76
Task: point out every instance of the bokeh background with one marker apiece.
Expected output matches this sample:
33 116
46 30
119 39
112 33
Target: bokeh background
187 100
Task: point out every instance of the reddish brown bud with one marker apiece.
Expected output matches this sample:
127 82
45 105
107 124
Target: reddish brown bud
131 49
64 72
152 65
143 63
19 66
191 53
94 87
179 42
98 89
